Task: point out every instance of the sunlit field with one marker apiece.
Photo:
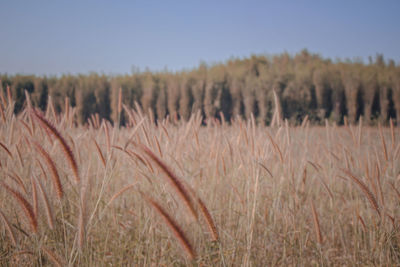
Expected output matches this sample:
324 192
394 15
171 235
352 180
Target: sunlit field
175 193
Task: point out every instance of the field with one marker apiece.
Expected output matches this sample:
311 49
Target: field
177 193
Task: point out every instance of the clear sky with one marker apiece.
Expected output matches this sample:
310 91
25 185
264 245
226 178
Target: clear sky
54 37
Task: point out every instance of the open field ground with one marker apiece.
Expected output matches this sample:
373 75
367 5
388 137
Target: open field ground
179 193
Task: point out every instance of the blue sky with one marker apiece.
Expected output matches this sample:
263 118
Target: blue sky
54 37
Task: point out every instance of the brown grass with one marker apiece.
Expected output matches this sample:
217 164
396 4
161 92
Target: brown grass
209 220
173 226
3 146
65 147
53 257
8 228
51 166
34 198
46 203
371 198
269 196
25 206
316 223
103 161
174 181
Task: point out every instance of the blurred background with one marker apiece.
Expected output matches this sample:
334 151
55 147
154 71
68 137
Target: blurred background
324 60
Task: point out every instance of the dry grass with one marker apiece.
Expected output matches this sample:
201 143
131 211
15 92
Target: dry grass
228 194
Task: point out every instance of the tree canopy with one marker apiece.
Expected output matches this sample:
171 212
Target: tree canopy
306 85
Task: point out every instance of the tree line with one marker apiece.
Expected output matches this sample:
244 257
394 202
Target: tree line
306 85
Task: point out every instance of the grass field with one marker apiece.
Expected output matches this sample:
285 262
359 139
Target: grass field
179 193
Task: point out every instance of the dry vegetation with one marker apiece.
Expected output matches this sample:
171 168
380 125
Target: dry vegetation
179 193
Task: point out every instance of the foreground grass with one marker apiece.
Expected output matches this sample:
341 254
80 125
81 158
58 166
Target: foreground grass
149 195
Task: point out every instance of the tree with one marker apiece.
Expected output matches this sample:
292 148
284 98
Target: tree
352 87
395 75
161 104
323 92
173 95
305 84
186 99
149 96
